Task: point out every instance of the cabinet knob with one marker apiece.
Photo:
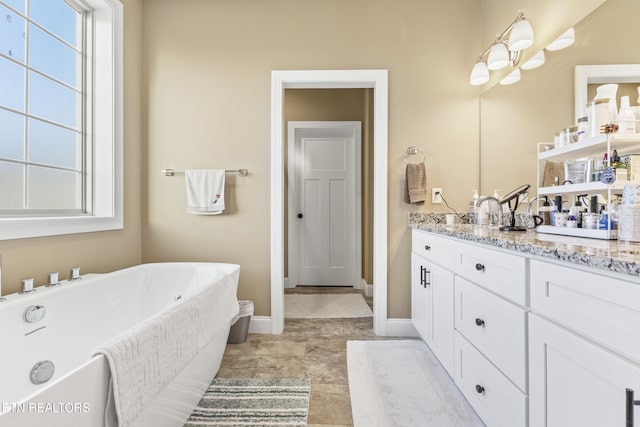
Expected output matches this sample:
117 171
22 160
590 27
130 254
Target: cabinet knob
427 247
300 215
480 267
479 321
479 389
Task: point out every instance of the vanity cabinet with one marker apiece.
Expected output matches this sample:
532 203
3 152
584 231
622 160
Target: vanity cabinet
432 294
465 305
584 347
535 342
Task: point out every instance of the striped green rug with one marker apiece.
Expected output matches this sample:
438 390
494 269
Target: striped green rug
253 402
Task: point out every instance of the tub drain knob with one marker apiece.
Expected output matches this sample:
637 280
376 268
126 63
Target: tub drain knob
42 372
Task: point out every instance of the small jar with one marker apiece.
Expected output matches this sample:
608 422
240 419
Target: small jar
583 128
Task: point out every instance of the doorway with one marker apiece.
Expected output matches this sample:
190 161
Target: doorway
328 79
324 200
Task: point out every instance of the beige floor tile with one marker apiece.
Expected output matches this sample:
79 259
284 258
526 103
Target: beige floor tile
277 366
329 404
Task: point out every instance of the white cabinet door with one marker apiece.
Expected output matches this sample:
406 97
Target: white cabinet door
421 298
443 317
576 383
432 301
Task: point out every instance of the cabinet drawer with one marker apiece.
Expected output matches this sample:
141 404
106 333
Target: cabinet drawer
602 308
494 326
502 273
434 248
492 395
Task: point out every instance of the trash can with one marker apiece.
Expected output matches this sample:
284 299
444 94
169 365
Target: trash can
240 328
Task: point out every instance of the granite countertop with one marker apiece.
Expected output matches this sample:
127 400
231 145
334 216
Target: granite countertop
609 255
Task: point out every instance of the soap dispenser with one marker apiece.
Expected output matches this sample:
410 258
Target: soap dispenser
473 208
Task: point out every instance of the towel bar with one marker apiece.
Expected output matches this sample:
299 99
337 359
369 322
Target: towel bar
412 151
172 172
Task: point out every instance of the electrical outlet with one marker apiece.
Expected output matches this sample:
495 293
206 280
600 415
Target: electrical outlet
436 195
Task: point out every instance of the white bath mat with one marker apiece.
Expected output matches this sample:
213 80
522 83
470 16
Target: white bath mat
314 306
400 383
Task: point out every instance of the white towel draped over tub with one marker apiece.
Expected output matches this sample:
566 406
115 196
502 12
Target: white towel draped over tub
205 191
144 359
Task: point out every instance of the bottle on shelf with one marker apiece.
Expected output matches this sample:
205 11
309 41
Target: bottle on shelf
626 118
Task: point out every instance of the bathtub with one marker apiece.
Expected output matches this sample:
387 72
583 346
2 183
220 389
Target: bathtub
81 315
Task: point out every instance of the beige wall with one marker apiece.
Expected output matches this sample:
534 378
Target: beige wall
93 252
207 75
339 105
515 118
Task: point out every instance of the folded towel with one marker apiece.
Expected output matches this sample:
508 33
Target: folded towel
205 191
416 183
146 358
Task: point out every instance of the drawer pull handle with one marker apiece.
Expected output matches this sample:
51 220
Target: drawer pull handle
629 407
427 247
479 322
479 389
479 267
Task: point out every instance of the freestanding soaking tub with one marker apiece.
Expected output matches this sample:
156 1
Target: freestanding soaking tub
61 342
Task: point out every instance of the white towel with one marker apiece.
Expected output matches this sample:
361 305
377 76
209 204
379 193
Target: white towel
205 191
146 358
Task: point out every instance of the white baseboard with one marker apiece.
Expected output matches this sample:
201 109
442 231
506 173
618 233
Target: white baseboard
395 327
260 325
401 328
285 283
368 289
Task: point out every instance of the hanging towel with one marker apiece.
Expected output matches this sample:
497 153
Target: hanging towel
416 183
205 191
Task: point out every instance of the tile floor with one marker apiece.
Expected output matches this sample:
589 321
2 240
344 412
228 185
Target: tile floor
308 348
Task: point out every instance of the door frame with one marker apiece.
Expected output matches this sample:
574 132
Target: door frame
330 79
356 127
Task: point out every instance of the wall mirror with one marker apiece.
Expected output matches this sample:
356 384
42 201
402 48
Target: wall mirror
515 118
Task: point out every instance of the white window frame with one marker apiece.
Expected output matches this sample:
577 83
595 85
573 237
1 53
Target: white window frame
106 110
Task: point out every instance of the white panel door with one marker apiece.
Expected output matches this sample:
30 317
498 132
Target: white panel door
324 203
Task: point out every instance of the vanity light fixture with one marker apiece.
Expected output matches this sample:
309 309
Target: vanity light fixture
504 51
534 62
565 40
511 78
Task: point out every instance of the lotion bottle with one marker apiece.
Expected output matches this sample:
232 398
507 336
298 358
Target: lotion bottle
626 118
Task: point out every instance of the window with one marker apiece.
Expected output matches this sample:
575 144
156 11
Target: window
61 117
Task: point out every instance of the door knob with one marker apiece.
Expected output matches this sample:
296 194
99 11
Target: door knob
300 215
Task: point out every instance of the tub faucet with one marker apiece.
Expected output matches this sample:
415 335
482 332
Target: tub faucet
492 215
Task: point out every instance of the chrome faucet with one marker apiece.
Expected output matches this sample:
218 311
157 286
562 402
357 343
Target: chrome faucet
492 214
1 298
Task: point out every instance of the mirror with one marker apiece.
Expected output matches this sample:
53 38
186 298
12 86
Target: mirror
515 118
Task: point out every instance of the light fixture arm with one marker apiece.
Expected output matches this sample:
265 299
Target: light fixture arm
514 57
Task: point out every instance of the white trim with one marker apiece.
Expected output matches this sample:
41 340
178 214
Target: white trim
401 328
328 79
368 289
395 327
107 111
590 74
260 325
294 251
